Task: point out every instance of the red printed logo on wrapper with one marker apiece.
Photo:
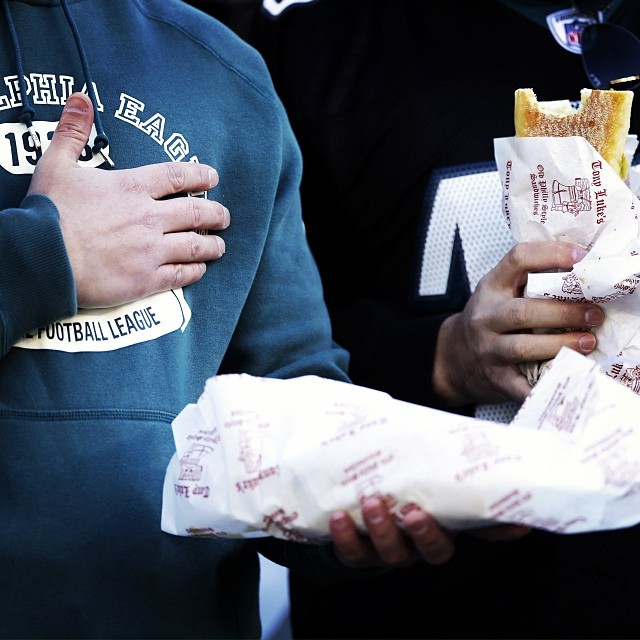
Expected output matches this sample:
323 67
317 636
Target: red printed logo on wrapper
573 199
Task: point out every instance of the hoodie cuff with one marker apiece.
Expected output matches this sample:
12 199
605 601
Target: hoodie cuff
36 280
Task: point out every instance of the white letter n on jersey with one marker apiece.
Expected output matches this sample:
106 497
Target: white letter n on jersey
467 200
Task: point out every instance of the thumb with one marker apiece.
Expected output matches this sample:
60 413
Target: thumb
73 130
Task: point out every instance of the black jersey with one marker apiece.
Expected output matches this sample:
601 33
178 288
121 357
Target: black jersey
395 104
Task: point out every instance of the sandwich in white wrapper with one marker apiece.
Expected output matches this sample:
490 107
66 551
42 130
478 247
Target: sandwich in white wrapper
561 188
258 457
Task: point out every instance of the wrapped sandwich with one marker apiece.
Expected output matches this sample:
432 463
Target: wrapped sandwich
564 178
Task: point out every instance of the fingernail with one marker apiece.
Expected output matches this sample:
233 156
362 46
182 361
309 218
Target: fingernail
222 247
587 343
227 217
416 522
76 104
339 520
594 317
578 254
373 510
213 178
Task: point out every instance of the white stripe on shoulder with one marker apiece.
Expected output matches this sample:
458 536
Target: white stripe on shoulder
276 7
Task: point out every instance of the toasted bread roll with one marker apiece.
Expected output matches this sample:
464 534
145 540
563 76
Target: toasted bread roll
603 118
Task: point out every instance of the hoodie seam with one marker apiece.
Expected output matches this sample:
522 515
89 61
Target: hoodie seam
69 415
265 93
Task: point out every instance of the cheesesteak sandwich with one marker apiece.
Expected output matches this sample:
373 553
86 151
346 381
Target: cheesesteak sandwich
602 118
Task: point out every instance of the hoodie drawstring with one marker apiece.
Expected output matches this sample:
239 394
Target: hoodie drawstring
28 112
101 142
27 116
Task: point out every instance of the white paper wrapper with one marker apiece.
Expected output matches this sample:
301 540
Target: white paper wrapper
259 457
562 189
578 399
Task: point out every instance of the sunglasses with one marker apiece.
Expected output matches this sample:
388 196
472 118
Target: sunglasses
610 53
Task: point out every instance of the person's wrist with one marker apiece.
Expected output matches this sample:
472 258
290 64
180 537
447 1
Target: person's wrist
445 365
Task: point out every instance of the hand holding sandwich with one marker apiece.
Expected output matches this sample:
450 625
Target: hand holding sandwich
479 349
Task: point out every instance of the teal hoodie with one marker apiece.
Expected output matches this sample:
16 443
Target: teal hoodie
87 400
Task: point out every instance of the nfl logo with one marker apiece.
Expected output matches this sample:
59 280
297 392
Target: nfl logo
573 32
567 27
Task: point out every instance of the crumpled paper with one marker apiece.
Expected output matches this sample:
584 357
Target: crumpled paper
258 457
562 189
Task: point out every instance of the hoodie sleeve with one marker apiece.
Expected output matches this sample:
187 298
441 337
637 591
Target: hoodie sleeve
36 281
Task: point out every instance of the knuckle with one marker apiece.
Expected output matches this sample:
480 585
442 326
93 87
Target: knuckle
568 318
176 175
517 255
484 280
479 324
176 276
72 128
129 182
195 212
516 351
148 218
518 314
170 277
476 317
195 247
512 348
571 316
